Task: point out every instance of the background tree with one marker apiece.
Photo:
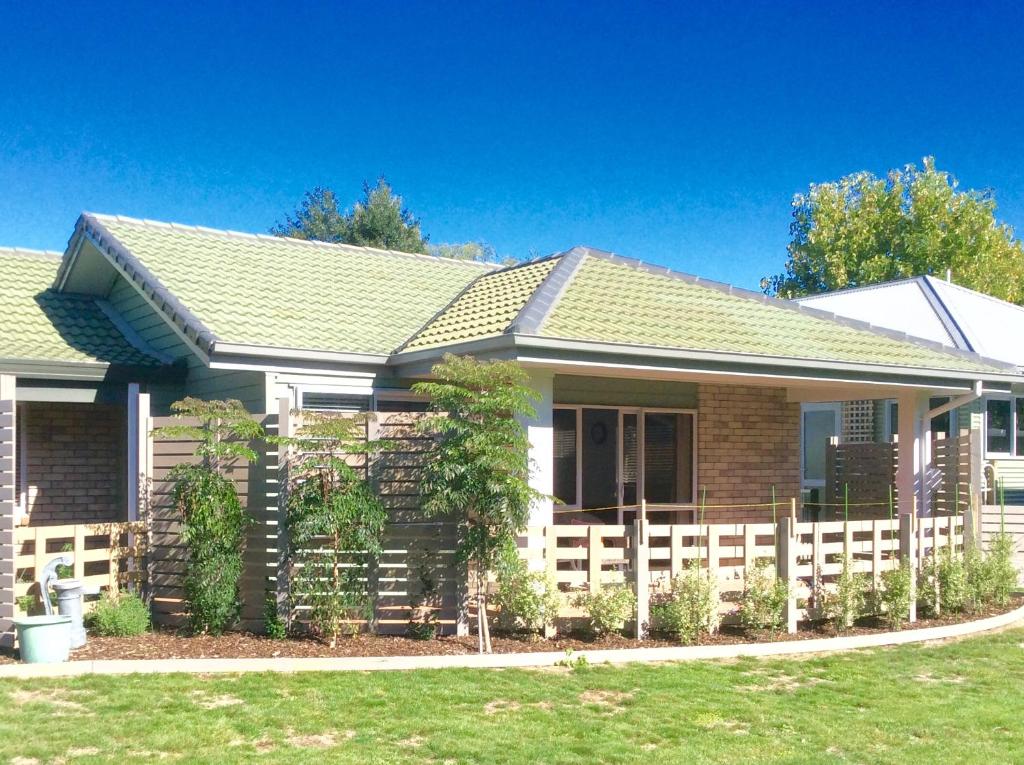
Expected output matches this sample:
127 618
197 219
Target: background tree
479 474
213 521
377 220
863 230
479 252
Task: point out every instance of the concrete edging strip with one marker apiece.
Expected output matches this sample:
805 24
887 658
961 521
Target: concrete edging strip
494 661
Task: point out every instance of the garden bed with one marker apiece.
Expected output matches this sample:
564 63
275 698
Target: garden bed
170 644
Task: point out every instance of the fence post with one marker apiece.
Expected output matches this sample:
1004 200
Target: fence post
595 552
642 577
785 566
550 551
908 553
283 586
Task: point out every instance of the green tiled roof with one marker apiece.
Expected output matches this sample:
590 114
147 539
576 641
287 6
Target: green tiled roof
42 325
613 300
287 293
486 308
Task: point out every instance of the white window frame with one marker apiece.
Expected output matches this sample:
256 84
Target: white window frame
340 390
1012 454
836 407
639 411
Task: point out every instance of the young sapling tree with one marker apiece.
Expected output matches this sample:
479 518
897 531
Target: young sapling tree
213 521
479 473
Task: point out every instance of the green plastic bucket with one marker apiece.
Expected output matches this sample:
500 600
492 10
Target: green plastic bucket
44 639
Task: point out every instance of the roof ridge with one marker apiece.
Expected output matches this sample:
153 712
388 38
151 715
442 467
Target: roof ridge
537 308
944 315
789 305
90 226
26 252
860 288
290 240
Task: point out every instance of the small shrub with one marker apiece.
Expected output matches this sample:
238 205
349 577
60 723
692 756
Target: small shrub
977 576
607 609
121 615
894 597
763 604
943 584
273 624
526 600
1002 574
848 602
691 609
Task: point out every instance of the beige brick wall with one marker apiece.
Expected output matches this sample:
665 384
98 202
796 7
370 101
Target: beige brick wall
748 439
76 471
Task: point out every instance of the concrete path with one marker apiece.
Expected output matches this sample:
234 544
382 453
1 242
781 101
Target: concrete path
491 661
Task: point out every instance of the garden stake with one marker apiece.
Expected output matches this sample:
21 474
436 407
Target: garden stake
846 502
890 503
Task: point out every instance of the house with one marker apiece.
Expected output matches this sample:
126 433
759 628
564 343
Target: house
658 390
956 317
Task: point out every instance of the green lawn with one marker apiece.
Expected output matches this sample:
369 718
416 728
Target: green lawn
958 702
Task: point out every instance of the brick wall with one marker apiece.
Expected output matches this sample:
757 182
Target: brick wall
76 470
748 439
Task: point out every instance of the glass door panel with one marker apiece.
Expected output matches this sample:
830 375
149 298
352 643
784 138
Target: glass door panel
600 456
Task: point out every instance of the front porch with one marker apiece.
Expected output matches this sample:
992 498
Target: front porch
610 450
69 485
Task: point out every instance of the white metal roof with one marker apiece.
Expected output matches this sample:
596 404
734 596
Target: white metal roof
937 310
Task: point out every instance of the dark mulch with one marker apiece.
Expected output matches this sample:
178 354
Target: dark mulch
169 644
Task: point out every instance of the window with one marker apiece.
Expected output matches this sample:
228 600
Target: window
941 424
1000 430
820 423
565 455
335 402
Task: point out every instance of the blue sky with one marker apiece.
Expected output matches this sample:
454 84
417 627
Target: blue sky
672 134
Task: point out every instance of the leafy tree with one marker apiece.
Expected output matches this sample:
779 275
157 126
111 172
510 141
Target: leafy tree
863 230
335 521
479 473
377 220
318 218
479 252
212 517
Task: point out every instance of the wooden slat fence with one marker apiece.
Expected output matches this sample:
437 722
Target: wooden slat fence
167 554
951 476
107 557
861 473
414 548
647 556
864 472
7 501
995 519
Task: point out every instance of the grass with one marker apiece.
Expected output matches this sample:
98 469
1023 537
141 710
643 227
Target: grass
959 702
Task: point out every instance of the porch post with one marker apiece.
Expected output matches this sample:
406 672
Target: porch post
8 492
540 432
138 451
914 452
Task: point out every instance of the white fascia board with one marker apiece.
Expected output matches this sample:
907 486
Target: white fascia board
55 370
671 354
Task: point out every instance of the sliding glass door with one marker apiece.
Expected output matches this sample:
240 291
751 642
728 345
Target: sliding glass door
611 457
